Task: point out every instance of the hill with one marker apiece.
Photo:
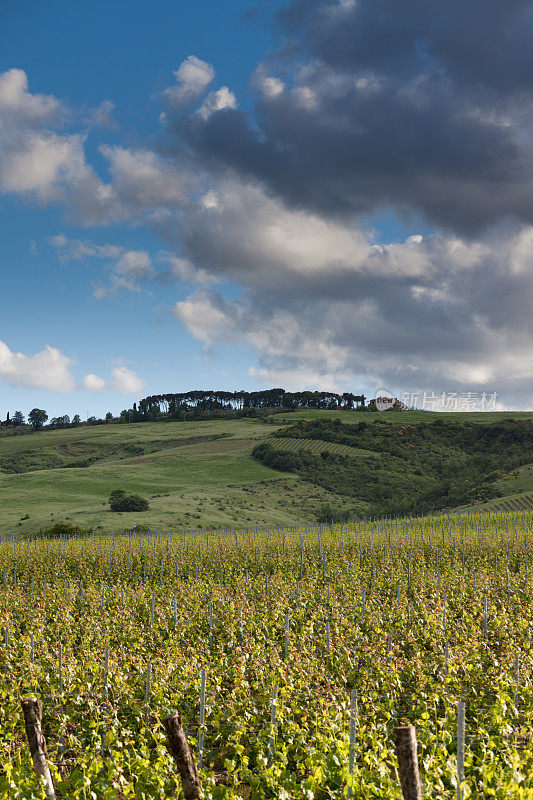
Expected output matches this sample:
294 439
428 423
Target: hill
390 468
198 473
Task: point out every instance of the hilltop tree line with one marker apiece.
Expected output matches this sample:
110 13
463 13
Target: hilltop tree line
199 404
38 417
176 404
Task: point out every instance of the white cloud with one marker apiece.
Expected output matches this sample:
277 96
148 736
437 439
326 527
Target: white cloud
269 86
92 383
183 270
35 160
193 76
520 256
49 166
48 369
217 101
16 103
41 163
278 241
296 379
136 265
126 381
102 115
143 181
130 267
75 249
208 317
305 98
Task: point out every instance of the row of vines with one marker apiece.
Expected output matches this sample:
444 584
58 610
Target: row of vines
114 633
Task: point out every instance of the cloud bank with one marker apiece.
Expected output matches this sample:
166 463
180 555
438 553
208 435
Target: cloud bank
369 110
51 370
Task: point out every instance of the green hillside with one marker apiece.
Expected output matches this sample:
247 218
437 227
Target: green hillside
201 473
391 468
193 473
402 417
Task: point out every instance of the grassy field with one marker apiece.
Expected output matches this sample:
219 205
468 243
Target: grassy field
403 417
191 477
316 446
195 474
355 629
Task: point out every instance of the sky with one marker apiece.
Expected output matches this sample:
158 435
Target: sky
317 194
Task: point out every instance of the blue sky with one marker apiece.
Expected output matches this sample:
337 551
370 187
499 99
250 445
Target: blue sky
219 195
123 52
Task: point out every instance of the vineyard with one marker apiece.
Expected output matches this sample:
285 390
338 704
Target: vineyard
317 446
519 503
290 653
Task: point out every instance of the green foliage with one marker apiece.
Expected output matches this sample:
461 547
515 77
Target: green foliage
402 468
147 598
120 501
62 530
329 513
277 459
37 417
204 473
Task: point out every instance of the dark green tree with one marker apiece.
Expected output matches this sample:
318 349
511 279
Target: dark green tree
120 501
18 419
60 422
37 417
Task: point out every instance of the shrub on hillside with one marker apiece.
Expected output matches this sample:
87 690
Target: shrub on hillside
283 460
120 501
63 530
328 513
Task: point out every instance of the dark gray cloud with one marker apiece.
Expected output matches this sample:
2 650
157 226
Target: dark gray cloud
370 105
322 303
417 106
475 43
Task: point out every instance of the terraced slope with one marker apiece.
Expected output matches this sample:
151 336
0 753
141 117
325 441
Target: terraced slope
406 468
520 502
194 474
202 473
315 446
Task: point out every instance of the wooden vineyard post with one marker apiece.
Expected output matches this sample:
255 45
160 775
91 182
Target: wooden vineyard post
33 711
180 749
353 726
460 747
202 719
406 753
273 722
